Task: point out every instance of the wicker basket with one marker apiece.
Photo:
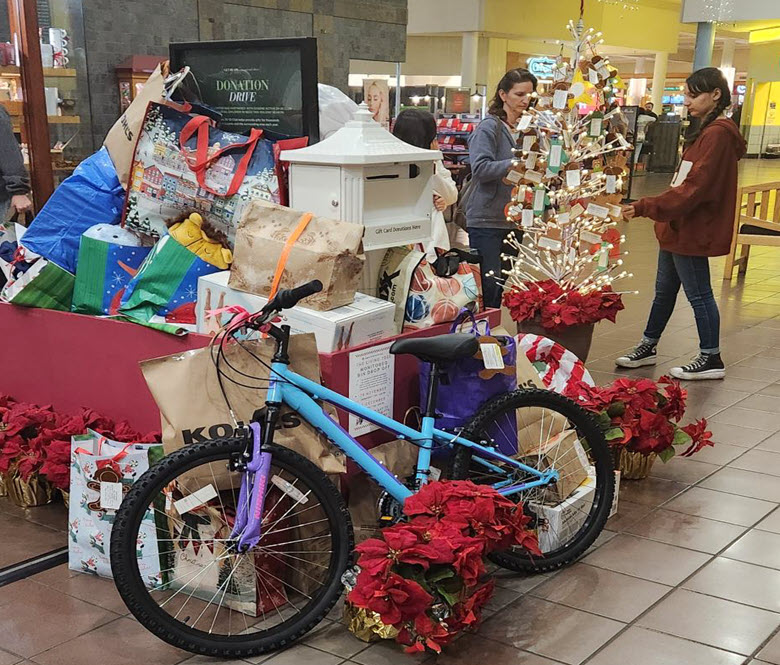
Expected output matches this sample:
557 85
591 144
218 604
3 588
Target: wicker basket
633 466
28 493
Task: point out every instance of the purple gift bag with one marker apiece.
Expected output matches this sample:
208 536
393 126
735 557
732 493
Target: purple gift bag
460 399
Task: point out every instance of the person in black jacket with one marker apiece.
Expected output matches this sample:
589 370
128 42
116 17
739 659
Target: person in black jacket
14 179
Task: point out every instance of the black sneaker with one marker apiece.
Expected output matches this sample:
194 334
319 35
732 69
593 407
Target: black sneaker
706 366
644 354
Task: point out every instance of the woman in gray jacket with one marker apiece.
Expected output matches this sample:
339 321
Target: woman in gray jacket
490 153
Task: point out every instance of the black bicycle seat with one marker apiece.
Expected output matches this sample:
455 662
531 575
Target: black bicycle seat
439 348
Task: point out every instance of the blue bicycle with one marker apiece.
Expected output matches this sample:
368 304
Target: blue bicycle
254 538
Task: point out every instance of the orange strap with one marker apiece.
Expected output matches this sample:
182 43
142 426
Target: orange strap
288 245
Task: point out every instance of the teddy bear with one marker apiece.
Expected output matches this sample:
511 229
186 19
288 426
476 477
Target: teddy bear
189 232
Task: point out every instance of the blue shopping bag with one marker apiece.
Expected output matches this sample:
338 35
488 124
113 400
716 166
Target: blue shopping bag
91 195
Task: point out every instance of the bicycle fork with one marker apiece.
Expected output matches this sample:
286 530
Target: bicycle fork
251 498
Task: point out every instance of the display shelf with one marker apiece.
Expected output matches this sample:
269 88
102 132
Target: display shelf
60 72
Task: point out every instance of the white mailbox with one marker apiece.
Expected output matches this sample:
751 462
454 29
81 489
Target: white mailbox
365 175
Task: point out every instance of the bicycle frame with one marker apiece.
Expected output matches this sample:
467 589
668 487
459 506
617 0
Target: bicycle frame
299 393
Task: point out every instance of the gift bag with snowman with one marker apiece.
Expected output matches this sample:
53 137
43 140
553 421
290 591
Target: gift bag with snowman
102 472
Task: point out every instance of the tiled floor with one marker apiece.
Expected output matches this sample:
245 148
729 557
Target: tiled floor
687 573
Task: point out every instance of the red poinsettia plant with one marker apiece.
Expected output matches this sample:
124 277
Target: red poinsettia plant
36 439
556 308
426 577
643 416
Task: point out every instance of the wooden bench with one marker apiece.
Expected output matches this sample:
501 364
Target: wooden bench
757 222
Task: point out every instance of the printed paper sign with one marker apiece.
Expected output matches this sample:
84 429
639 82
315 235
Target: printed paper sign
491 356
533 176
573 178
682 173
611 184
530 161
563 218
576 211
556 150
560 99
528 218
195 500
590 238
528 142
110 495
593 76
615 211
371 381
595 125
514 176
539 199
597 210
548 243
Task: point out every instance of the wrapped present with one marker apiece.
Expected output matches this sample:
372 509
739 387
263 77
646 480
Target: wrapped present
44 285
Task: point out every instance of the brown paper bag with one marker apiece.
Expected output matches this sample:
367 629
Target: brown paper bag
398 457
327 250
122 137
193 408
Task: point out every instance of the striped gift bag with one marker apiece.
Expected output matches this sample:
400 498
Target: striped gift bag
44 285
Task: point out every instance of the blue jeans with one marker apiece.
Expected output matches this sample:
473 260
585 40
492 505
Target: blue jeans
693 272
490 243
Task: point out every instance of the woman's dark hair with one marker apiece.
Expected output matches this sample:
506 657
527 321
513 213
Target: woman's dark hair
708 79
507 82
415 127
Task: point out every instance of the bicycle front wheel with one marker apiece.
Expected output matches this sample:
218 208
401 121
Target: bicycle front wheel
545 431
206 596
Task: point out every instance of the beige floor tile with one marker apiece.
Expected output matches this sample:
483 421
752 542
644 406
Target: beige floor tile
300 654
601 591
759 547
333 638
389 652
8 658
696 533
62 616
759 461
638 646
96 590
713 621
770 523
650 491
472 649
720 506
735 435
738 581
719 454
760 402
550 630
647 559
683 470
771 651
745 483
771 443
628 513
748 418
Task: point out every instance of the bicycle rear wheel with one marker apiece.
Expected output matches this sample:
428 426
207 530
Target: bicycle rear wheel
209 598
547 431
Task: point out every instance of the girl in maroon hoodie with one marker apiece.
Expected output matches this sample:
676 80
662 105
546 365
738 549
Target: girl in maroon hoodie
694 220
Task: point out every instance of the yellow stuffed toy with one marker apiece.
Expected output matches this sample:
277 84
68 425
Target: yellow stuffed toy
190 234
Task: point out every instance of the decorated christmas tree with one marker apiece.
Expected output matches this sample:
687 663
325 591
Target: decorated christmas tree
568 175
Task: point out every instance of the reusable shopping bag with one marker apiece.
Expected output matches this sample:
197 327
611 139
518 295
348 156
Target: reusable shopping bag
166 285
430 292
105 268
97 462
91 195
183 164
471 382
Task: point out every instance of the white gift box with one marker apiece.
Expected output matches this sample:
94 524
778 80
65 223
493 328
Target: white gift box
364 321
